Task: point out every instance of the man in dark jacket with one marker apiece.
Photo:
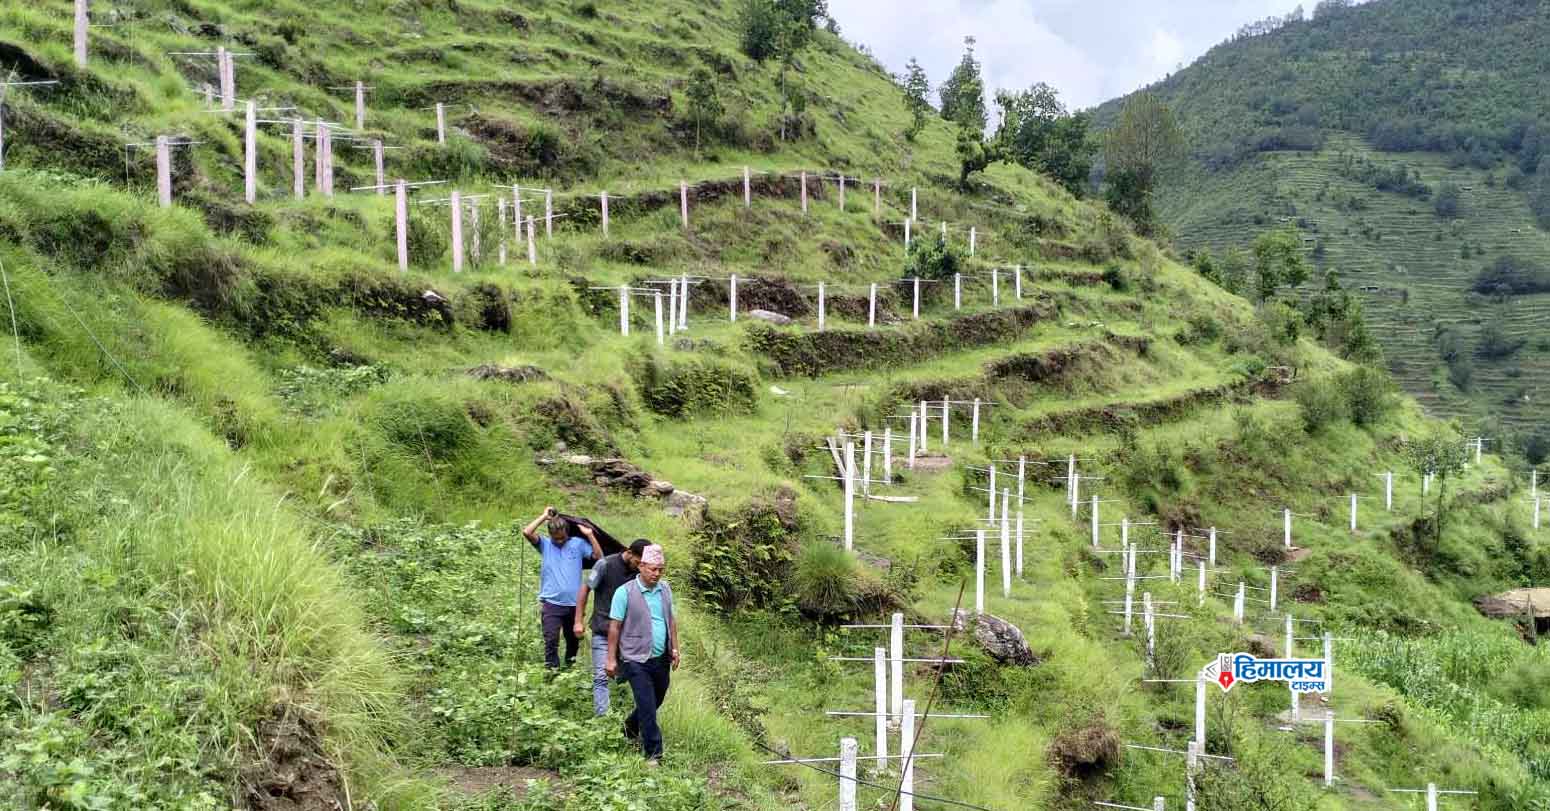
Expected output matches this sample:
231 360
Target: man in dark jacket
643 647
607 576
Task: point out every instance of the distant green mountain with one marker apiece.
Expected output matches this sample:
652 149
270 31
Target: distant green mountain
1405 139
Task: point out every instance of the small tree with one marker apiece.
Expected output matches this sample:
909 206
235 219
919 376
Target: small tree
963 94
916 88
1447 202
704 102
1442 456
1278 261
1141 147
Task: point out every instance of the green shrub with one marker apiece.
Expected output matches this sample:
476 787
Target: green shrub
694 386
1116 278
744 560
1321 403
1369 394
829 585
932 258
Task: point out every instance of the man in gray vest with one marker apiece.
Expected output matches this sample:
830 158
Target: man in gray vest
607 576
643 647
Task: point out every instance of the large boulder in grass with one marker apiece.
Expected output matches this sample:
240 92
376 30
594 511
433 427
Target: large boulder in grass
769 316
1002 640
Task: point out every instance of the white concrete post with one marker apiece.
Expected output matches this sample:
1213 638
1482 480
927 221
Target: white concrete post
944 231
732 300
378 159
979 571
1071 481
1290 645
888 453
1286 520
947 412
1426 484
1200 711
1094 521
1353 512
441 123
972 234
1006 544
325 148
925 427
657 301
401 221
915 302
298 161
228 79
1329 747
877 196
1159 804
624 310
1019 543
1191 768
907 234
842 191
1124 532
1076 495
804 192
995 287
1178 554
548 213
1213 547
913 429
1019 283
1388 491
847 774
603 203
820 307
914 213
747 189
457 232
896 673
907 749
1200 585
957 291
1275 576
880 703
1431 797
1329 659
974 424
1128 563
683 203
672 306
871 306
683 302
1237 605
850 496
1022 475
1536 513
250 155
532 244
360 105
475 252
516 208
990 514
1479 448
866 462
1294 712
81 26
1149 621
1533 484
163 172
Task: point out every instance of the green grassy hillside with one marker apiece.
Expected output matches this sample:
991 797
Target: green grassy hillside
1284 126
261 491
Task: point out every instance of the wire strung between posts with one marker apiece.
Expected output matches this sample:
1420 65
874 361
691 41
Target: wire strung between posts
103 349
869 784
936 686
15 333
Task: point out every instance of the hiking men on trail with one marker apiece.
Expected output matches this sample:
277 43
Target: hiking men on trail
643 647
559 578
607 576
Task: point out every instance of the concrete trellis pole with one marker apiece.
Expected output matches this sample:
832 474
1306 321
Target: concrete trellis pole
880 701
1200 585
1388 491
1212 542
250 155
907 750
821 307
360 105
1275 576
1071 481
804 192
979 571
913 429
683 203
925 427
378 159
1124 533
500 206
972 234
672 306
603 203
1286 520
907 234
877 196
401 222
1537 511
298 160
947 413
548 213
81 27
842 191
1237 605
656 299
441 123
683 303
1290 642
475 252
990 514
1329 659
1022 475
532 245
1019 282
1426 484
228 75
957 291
888 454
1006 544
915 301
944 231
995 287
457 232
516 209
896 667
747 189
163 172
914 213
732 300
1094 521
1329 747
1533 484
1191 768
847 774
1149 621
1353 513
624 310
871 306
1200 711
850 496
866 462
1128 563
1019 543
974 425
1431 797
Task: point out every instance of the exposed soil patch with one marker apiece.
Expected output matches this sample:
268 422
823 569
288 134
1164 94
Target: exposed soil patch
290 773
483 780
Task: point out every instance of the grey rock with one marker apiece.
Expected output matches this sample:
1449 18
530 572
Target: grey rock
658 489
771 317
1001 639
680 503
579 459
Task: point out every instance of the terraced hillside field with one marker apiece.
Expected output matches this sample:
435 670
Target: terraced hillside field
261 490
1409 264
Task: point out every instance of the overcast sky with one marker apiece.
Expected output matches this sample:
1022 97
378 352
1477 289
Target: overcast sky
1091 50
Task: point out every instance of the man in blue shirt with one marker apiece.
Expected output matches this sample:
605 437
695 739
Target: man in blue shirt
559 578
643 647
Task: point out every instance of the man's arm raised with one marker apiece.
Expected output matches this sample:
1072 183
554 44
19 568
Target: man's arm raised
530 532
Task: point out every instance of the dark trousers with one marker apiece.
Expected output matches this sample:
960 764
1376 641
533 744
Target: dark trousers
558 620
649 681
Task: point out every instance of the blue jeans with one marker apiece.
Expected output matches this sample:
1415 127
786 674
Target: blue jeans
599 676
649 681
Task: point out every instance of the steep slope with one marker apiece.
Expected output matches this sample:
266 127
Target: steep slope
260 490
1350 126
